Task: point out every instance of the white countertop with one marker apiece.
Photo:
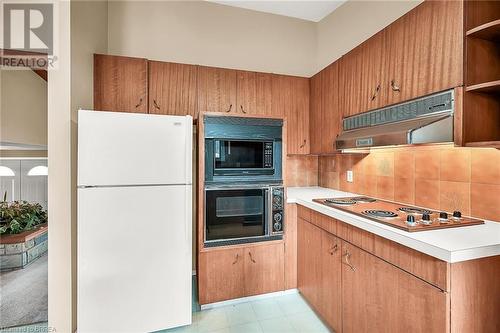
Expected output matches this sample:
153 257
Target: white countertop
451 245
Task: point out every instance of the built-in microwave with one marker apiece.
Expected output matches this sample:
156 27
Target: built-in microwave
243 149
235 215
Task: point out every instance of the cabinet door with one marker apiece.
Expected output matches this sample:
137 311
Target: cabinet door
309 262
216 89
379 297
172 88
264 94
331 107
246 94
221 275
363 77
264 269
316 113
293 100
424 51
331 272
120 84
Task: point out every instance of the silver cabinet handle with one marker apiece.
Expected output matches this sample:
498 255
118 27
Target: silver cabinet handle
376 92
140 103
394 86
347 255
251 258
156 104
230 107
236 259
242 109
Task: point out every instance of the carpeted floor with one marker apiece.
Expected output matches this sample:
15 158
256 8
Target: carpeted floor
23 295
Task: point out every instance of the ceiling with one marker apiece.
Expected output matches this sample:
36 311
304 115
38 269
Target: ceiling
306 10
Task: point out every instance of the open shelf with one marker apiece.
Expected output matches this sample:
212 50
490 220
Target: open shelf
489 144
489 31
486 87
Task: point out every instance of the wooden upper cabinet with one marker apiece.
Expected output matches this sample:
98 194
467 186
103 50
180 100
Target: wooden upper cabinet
363 77
264 94
316 113
246 92
120 84
424 51
331 107
379 297
172 88
216 89
291 100
264 269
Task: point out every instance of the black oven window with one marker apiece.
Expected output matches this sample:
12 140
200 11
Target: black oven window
238 154
235 214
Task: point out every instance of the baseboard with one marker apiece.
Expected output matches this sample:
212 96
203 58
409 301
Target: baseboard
248 299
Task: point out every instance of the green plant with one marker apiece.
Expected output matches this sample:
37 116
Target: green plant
19 216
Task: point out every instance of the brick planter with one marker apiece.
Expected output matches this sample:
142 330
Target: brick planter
17 251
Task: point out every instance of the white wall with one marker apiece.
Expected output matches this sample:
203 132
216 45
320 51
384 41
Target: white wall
354 22
23 109
198 32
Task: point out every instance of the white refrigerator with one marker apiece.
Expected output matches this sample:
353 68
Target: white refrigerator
134 222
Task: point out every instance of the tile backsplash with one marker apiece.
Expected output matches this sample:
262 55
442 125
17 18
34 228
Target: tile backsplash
440 177
301 170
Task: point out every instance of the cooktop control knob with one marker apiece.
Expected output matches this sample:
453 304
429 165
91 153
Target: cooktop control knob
457 214
443 215
410 220
426 219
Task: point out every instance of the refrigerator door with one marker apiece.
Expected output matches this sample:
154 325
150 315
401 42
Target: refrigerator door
133 149
134 258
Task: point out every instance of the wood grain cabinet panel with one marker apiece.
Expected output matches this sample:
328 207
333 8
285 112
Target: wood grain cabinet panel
264 269
363 77
220 275
330 306
309 262
216 89
316 112
264 94
120 84
246 92
379 297
172 88
424 51
291 98
331 119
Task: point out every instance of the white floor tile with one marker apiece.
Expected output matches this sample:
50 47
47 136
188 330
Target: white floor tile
292 304
267 309
210 320
240 314
246 328
307 322
276 325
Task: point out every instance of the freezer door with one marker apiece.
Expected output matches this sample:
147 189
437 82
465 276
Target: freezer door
134 258
133 149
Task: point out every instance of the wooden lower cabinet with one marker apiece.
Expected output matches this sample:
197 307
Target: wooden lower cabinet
379 297
220 273
309 261
330 306
229 273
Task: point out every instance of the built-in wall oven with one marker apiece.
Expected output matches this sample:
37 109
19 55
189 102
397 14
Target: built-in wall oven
242 215
242 150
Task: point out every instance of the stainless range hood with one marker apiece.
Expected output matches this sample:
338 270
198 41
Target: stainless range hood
424 120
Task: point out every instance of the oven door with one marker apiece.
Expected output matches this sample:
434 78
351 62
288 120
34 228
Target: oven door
242 157
236 213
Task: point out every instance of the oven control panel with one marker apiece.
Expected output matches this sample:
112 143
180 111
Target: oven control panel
268 154
277 216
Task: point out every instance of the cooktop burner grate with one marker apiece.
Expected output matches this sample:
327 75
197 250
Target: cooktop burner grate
364 199
414 210
379 213
339 201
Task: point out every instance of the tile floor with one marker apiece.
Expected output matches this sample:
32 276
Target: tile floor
286 313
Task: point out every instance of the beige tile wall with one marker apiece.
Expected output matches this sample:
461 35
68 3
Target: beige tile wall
301 170
439 177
